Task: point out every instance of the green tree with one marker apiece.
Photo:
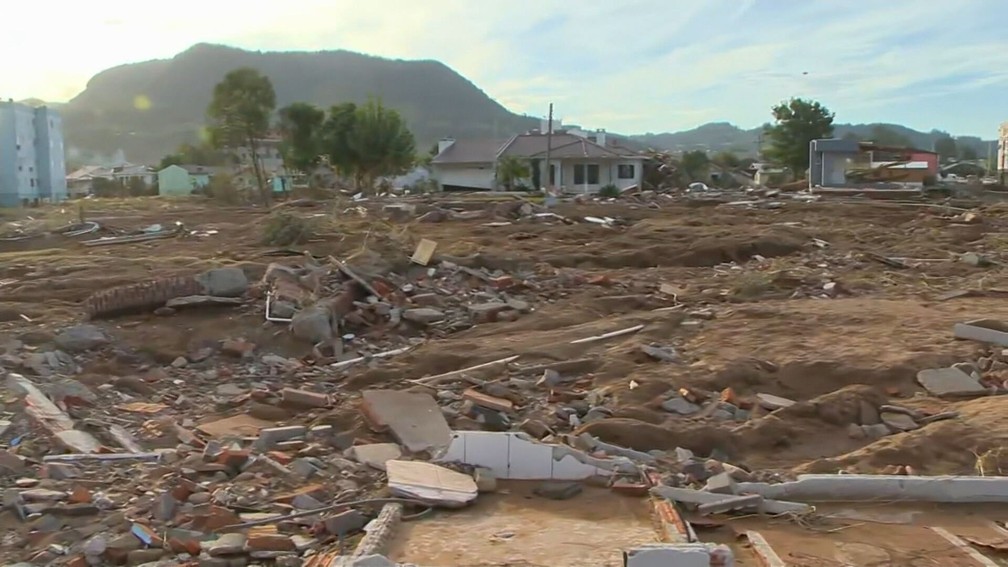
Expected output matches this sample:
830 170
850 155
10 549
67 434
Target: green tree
240 116
727 159
380 142
694 164
336 132
945 145
301 128
201 154
511 170
886 136
797 123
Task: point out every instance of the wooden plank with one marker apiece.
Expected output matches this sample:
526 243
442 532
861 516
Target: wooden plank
766 555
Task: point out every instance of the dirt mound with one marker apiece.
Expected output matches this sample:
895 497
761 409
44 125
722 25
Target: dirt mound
701 438
701 253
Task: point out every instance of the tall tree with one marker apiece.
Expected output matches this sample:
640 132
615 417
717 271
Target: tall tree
727 159
511 170
336 132
946 147
886 136
797 123
380 142
968 153
694 164
240 116
301 128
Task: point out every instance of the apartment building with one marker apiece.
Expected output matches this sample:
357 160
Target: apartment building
1002 155
32 166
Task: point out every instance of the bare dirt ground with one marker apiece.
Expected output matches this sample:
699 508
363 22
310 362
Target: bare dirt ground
751 314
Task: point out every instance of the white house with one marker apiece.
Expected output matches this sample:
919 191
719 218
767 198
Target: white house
578 164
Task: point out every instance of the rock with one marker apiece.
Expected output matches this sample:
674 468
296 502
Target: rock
898 421
164 507
535 428
375 455
95 546
868 414
227 544
721 483
876 431
435 215
975 260
345 522
680 405
306 502
771 402
666 354
282 309
558 490
239 348
315 324
486 312
71 392
180 362
485 479
224 282
949 382
270 436
423 315
10 463
373 560
854 431
198 498
81 338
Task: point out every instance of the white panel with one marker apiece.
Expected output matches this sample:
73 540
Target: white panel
529 460
569 468
488 450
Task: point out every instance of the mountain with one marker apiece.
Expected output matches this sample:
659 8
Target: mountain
722 136
149 108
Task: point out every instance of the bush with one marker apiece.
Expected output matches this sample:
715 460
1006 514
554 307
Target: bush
609 191
285 229
222 189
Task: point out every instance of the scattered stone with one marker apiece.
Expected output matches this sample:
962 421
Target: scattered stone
680 405
665 354
315 324
485 479
899 422
227 544
81 338
224 282
282 309
414 419
855 431
949 382
721 483
423 315
868 414
269 437
876 431
376 454
305 398
345 522
558 490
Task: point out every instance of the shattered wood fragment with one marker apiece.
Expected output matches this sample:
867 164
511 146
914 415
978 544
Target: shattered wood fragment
424 252
353 275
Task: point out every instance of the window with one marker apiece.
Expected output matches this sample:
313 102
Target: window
625 171
586 173
32 182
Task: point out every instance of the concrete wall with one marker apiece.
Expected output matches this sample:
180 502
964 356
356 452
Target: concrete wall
1002 159
475 176
9 184
51 156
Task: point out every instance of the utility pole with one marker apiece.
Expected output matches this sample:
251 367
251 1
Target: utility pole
549 149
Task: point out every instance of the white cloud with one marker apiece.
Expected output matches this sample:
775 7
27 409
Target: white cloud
631 66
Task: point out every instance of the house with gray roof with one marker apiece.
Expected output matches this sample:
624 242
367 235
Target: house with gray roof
579 163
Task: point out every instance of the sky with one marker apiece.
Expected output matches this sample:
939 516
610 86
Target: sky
631 66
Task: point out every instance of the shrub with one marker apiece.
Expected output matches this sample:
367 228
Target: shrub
285 229
222 189
609 191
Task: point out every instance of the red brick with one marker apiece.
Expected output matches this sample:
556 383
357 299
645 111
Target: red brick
280 457
630 488
234 458
80 495
305 398
269 542
487 401
503 282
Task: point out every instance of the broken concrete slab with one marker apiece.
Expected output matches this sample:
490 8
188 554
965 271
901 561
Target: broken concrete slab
517 456
431 483
983 330
81 338
690 496
558 490
201 301
45 413
375 455
856 487
415 420
679 555
241 425
949 382
729 504
224 282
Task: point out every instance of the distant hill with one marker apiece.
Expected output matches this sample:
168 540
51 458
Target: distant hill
722 136
149 108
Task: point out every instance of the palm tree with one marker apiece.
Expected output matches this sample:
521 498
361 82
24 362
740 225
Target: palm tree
510 170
